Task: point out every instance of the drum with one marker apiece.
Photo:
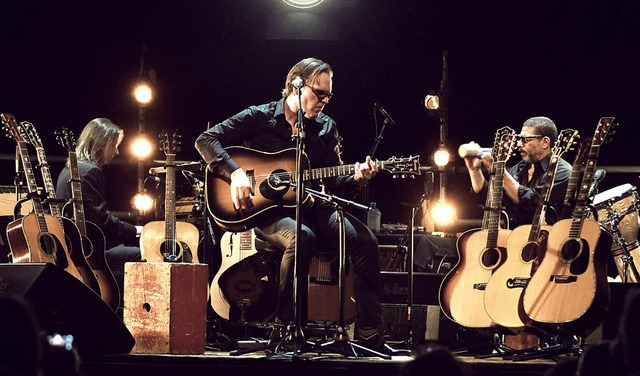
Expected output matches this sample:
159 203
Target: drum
617 213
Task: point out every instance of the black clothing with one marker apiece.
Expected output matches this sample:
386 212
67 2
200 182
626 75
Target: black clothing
529 191
265 128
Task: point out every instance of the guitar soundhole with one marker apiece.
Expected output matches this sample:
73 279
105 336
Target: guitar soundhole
276 185
47 244
50 246
490 257
571 249
171 251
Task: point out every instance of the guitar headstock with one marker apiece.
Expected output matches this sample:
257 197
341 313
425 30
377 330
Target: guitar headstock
170 142
566 141
604 131
401 167
504 144
66 139
12 128
30 133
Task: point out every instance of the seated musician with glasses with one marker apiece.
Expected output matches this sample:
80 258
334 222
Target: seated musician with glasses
524 181
271 128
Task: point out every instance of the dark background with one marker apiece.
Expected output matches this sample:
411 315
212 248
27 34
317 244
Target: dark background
64 63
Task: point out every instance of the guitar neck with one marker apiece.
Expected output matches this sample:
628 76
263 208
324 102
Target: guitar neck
48 184
32 186
491 220
170 200
335 171
545 194
76 194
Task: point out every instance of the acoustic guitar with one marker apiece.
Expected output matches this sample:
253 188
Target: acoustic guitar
273 178
170 240
73 237
481 251
93 240
525 249
569 291
37 237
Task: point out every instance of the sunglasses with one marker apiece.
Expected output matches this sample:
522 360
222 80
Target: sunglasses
524 139
321 94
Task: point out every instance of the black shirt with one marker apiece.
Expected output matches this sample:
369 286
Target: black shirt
265 128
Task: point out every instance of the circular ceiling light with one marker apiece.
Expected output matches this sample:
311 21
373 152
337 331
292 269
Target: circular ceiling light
303 4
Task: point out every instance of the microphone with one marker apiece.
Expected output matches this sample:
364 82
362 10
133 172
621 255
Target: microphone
298 82
385 114
598 175
472 149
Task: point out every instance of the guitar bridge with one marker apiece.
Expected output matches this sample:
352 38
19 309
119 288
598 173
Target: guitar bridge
479 286
563 278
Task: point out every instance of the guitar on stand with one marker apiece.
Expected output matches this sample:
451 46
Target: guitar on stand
170 240
481 251
569 293
93 240
73 237
245 287
37 237
525 249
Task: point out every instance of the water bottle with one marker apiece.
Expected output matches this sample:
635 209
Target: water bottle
373 218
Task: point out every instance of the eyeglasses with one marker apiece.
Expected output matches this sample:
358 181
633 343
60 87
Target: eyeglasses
321 94
524 138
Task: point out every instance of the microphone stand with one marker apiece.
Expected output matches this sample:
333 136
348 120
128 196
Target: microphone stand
372 152
294 331
341 342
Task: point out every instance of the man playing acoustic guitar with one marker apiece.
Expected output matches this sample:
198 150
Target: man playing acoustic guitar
270 128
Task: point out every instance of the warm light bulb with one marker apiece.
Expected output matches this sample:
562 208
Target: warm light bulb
141 147
142 202
441 157
443 213
143 93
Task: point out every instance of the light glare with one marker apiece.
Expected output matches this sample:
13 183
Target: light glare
141 147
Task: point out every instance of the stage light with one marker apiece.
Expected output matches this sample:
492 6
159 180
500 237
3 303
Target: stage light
143 93
432 102
142 202
303 4
441 157
141 147
443 213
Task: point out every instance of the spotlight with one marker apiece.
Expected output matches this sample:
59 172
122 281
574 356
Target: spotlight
142 202
141 147
432 102
143 92
303 4
441 157
442 213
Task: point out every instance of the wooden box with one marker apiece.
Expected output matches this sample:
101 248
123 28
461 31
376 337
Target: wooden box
165 306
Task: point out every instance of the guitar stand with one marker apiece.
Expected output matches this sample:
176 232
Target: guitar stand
552 350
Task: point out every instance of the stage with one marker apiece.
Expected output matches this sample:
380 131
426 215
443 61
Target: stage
308 364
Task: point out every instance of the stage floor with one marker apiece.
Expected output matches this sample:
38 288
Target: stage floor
307 363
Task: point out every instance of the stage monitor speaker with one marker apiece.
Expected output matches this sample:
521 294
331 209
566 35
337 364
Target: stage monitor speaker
63 304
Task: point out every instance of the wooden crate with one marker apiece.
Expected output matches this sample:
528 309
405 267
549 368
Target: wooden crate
165 307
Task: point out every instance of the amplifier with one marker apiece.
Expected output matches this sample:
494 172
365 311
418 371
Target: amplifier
395 287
